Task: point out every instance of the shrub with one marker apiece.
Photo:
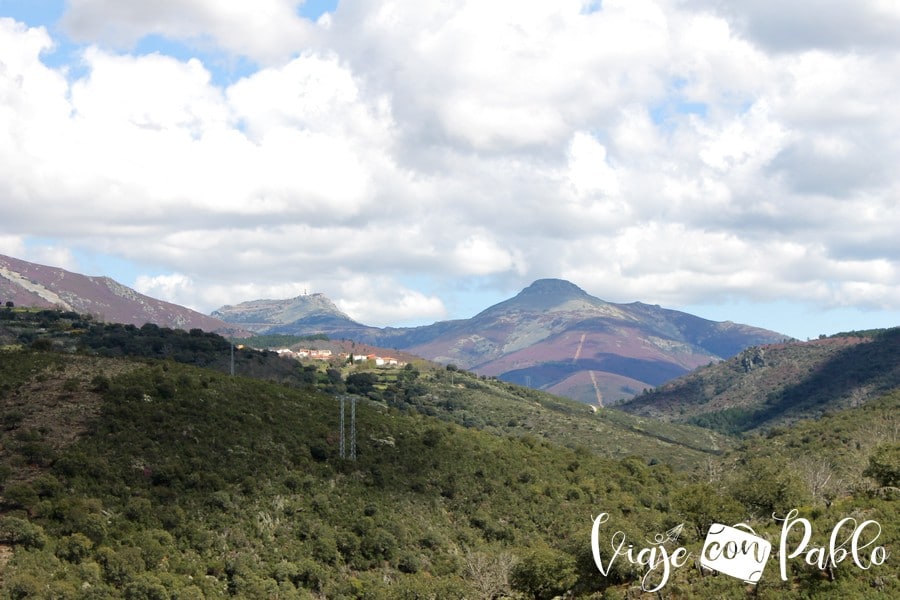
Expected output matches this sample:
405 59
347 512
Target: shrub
74 548
884 465
21 532
544 573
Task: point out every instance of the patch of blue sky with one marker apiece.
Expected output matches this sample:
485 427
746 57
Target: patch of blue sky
33 13
591 6
46 13
475 293
122 270
225 69
313 9
664 113
797 320
41 250
463 297
745 105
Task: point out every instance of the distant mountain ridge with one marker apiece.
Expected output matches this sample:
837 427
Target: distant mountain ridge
762 387
30 284
552 335
266 316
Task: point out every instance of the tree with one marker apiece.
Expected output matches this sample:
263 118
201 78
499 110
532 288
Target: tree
489 573
408 374
702 505
767 485
884 465
818 474
544 573
361 383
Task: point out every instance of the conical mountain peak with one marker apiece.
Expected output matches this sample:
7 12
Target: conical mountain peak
559 288
547 294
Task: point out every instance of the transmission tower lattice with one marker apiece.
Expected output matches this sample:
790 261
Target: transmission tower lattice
342 454
343 448
353 429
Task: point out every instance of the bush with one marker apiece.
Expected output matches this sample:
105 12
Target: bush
74 548
884 465
544 573
21 532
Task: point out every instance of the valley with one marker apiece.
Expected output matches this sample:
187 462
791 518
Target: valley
134 465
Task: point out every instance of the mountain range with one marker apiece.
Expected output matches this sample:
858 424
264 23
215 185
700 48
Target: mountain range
552 336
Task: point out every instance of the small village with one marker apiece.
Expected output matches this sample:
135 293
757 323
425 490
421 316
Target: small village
314 354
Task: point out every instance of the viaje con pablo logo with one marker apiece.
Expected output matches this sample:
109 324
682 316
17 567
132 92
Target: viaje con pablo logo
738 552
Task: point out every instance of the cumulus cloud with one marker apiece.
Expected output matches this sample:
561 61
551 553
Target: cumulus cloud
173 286
808 24
381 302
12 245
670 152
264 30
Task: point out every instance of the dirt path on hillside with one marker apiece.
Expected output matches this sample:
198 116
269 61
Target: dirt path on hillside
596 389
580 344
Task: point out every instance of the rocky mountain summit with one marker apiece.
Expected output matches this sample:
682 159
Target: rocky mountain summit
314 311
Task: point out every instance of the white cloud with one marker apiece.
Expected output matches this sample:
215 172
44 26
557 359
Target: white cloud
589 170
806 24
264 30
12 245
653 150
173 286
381 301
52 255
478 254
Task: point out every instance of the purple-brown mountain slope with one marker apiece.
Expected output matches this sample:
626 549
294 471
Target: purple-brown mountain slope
552 336
30 284
555 336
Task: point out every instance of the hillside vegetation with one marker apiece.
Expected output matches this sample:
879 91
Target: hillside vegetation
447 393
135 477
766 386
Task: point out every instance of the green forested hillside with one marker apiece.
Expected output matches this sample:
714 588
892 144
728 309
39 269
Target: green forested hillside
449 394
767 386
147 478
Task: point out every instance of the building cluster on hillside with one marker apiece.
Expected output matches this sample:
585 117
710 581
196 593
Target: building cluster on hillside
304 353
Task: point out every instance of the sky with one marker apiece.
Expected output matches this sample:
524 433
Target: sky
418 161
